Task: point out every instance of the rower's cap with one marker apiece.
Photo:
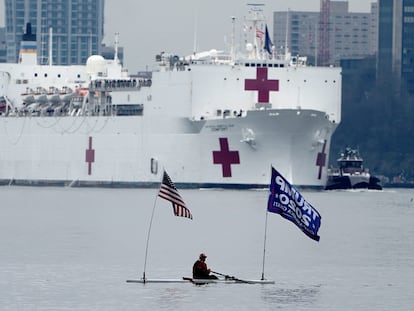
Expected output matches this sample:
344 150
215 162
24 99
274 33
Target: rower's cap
202 255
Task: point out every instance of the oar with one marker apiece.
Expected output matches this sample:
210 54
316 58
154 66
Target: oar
228 277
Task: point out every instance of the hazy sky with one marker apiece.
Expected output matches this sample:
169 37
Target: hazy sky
148 27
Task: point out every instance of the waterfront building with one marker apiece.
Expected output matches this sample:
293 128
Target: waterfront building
349 34
73 28
396 44
3 45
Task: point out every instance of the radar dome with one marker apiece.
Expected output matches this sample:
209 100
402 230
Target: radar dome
249 47
95 64
213 53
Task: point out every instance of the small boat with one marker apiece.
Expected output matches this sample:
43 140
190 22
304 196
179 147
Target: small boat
28 96
53 95
169 192
40 95
351 173
229 280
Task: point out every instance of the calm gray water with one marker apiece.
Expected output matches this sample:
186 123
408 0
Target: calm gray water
73 249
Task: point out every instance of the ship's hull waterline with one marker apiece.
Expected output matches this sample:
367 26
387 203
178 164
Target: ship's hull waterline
116 151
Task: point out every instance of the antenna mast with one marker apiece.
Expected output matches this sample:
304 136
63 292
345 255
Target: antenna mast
287 34
256 10
50 46
233 39
116 47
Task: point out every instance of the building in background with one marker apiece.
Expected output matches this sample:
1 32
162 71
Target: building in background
385 38
327 36
108 52
396 44
3 45
74 29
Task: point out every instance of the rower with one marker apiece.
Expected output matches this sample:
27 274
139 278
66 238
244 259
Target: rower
200 269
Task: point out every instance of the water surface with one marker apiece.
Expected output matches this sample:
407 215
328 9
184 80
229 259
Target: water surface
73 249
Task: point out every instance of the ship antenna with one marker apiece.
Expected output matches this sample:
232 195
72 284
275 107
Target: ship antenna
50 45
233 36
287 34
116 47
195 33
256 10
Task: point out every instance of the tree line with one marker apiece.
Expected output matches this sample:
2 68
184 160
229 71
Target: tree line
378 120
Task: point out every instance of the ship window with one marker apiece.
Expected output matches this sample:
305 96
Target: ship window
218 112
154 166
45 75
129 110
35 74
59 75
79 75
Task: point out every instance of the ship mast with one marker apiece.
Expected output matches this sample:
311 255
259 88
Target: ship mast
233 40
116 43
50 45
256 10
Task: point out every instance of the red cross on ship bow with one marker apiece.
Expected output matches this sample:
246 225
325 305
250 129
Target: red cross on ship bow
225 157
261 84
321 160
90 156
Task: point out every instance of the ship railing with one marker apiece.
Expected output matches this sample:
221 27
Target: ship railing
119 84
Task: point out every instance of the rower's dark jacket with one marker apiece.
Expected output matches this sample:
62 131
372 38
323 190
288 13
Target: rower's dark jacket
200 270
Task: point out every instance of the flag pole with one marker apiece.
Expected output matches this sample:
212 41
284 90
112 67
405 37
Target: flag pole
265 233
148 238
264 246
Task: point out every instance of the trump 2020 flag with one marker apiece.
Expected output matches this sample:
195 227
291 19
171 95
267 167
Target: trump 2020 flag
169 192
285 200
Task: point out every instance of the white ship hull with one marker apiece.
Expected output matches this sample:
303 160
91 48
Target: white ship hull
54 150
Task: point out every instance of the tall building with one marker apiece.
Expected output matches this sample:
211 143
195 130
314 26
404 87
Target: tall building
396 43
73 28
3 46
385 38
404 65
340 33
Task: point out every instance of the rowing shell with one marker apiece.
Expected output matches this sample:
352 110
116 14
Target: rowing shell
202 281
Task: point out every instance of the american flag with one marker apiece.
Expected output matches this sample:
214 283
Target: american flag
259 33
169 192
